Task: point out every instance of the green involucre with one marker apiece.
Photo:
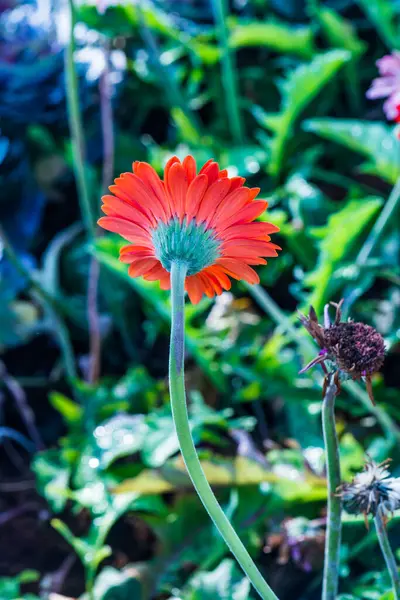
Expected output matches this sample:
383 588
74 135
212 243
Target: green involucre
189 243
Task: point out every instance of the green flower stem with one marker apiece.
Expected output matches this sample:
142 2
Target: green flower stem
189 454
334 526
76 128
228 73
387 553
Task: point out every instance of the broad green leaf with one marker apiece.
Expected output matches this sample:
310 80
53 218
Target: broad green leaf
374 140
123 435
279 37
337 239
226 582
383 14
298 89
112 584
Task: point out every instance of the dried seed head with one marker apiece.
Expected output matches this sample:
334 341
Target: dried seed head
355 349
358 348
370 490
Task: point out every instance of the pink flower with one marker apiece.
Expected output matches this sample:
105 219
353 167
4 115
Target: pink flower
388 85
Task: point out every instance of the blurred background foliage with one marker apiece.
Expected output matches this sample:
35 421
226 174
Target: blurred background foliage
95 503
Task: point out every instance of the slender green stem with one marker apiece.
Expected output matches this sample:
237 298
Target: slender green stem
189 454
76 129
228 72
352 292
380 225
387 553
334 526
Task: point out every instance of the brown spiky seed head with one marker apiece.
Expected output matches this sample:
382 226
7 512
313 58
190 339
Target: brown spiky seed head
358 348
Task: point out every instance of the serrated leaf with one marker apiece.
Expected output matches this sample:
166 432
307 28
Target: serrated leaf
299 89
337 239
374 140
271 34
339 32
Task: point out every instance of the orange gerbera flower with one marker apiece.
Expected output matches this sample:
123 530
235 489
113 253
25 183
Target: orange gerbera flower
204 220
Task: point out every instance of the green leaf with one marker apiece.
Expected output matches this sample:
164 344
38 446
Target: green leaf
123 435
52 477
112 584
339 32
68 409
277 36
226 582
374 140
239 471
383 14
337 239
298 89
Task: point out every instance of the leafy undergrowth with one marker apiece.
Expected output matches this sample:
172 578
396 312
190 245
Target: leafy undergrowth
95 501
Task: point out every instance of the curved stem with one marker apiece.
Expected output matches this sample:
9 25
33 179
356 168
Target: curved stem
387 553
189 454
334 526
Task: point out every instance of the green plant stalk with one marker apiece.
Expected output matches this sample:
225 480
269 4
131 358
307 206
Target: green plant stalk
188 450
334 525
228 73
387 553
388 212
76 129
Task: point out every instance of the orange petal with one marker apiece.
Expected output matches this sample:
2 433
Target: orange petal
157 272
122 194
223 279
212 171
141 266
130 231
194 195
212 199
114 207
149 176
133 185
189 164
170 162
177 186
128 254
213 280
236 182
206 283
230 205
247 214
194 288
245 230
238 270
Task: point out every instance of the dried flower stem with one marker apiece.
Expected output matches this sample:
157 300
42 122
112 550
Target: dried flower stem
387 553
334 526
188 449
